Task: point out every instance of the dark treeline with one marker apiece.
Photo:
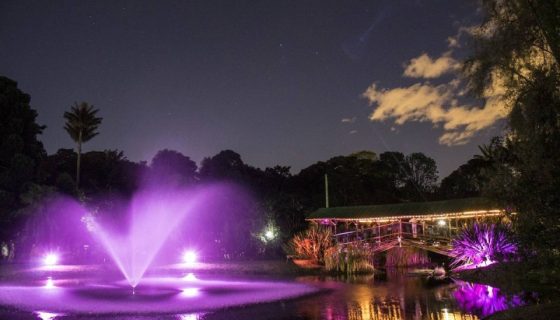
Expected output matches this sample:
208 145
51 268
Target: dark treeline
28 175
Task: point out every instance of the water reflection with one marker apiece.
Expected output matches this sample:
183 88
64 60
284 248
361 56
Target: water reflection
484 300
190 292
46 315
190 316
49 284
398 295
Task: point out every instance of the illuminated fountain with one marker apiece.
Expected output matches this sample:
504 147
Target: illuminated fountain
140 237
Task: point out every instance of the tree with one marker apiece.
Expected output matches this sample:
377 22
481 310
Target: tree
516 38
81 124
517 48
392 167
173 167
421 176
466 181
227 165
356 179
20 150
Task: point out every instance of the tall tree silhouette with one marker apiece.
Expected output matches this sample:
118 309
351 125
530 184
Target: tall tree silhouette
81 125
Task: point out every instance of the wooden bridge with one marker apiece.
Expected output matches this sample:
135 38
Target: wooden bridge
429 226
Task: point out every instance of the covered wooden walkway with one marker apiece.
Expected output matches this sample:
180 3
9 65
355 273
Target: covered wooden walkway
427 225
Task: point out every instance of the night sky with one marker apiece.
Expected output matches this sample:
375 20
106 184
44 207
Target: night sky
278 82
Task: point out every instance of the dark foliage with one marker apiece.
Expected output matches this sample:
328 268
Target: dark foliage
20 151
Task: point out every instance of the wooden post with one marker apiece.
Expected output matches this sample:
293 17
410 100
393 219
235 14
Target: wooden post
326 191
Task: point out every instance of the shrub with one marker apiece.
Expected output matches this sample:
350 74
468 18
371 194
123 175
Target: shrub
311 243
405 256
349 259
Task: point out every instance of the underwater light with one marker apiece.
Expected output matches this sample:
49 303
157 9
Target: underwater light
189 256
50 259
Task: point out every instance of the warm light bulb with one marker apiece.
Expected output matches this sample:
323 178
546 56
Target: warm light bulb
441 223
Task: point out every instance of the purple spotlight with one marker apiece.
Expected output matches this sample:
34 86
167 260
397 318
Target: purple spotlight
189 256
50 259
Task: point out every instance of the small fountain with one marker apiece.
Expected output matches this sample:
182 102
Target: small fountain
151 217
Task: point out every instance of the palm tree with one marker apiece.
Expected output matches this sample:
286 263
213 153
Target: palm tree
81 125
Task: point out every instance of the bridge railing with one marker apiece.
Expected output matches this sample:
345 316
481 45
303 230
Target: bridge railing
378 235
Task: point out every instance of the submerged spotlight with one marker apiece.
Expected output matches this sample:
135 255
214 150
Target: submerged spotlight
50 259
189 256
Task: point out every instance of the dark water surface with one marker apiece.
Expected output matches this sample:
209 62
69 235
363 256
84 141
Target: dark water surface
397 295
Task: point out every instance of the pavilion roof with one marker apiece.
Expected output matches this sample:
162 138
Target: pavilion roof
454 207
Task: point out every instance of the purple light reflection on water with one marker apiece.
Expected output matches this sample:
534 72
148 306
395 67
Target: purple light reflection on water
484 300
49 284
190 316
165 295
47 315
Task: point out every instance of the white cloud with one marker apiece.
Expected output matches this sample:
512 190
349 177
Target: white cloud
425 102
426 67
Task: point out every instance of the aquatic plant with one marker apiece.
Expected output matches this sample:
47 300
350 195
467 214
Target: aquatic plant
406 256
349 259
481 244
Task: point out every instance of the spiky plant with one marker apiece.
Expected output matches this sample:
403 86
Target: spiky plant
311 243
481 244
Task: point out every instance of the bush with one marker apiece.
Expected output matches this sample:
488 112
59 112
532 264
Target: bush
311 243
405 256
349 259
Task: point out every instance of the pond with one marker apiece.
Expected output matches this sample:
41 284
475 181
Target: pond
396 295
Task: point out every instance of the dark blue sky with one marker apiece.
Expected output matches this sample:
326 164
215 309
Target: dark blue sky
270 80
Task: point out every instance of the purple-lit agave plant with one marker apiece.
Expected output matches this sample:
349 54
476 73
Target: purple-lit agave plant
482 244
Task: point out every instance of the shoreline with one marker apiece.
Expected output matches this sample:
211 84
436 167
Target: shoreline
515 277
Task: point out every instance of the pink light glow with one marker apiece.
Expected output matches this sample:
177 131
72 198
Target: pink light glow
189 257
190 316
50 259
46 315
190 277
49 284
190 292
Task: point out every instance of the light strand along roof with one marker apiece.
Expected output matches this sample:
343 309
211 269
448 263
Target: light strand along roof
406 209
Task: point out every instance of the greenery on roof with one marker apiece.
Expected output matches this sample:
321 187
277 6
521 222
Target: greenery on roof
403 209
